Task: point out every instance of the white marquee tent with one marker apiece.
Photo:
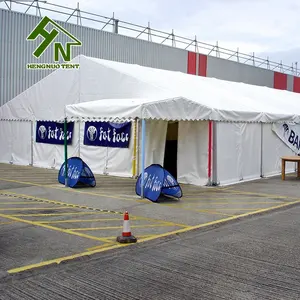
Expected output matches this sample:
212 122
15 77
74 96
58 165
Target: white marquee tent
240 116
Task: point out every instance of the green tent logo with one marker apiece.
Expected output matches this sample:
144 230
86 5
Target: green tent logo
49 38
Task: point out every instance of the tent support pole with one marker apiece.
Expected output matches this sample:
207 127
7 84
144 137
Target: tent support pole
66 152
143 156
31 144
261 150
134 149
210 136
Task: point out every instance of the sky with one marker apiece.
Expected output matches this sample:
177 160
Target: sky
266 27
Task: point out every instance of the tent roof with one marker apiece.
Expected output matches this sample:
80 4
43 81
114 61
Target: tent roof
180 96
145 92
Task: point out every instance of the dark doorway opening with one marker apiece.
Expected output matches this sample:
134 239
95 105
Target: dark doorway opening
170 159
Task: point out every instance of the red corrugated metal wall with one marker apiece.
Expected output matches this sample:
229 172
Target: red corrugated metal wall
191 67
296 86
280 81
202 65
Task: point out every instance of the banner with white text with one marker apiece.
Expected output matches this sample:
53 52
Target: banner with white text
289 134
107 134
50 132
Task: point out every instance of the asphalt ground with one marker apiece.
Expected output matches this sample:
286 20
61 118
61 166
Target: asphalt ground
44 223
254 258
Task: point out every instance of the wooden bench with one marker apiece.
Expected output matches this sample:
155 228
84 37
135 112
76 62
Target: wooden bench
284 159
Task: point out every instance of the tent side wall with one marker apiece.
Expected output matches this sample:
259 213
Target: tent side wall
156 132
238 151
193 152
106 160
273 149
15 141
247 151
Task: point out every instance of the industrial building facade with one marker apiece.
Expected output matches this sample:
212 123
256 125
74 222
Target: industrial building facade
16 52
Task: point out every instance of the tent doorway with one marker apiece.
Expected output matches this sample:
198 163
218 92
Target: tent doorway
170 159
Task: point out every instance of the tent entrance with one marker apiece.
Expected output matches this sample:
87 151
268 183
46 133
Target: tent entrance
170 159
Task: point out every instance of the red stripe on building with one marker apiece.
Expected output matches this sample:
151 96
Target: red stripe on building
202 65
191 67
296 87
280 81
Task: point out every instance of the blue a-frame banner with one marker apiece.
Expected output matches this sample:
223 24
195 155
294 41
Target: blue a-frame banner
78 172
157 181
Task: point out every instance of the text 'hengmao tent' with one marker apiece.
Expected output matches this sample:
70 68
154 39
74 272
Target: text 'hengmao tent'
201 129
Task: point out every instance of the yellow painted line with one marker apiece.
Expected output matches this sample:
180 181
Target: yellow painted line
100 246
231 209
58 214
52 228
225 199
238 192
82 221
87 207
137 236
106 219
67 189
182 230
227 203
118 227
197 210
12 202
32 208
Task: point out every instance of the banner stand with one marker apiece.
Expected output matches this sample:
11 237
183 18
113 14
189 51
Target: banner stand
78 173
157 181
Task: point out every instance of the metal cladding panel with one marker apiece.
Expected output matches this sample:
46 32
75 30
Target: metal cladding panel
296 84
290 83
16 51
280 81
192 63
234 71
202 69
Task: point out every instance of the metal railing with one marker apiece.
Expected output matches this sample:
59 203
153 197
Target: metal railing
117 26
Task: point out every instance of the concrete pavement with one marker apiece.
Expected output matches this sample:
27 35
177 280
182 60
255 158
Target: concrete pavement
255 258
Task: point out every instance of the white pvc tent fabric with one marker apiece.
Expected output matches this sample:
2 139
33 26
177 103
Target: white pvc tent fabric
104 90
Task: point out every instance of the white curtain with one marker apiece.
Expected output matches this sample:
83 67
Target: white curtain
156 132
192 155
6 138
238 152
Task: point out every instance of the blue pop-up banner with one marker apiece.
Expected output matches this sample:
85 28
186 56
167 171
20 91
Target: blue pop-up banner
157 181
50 132
107 134
78 172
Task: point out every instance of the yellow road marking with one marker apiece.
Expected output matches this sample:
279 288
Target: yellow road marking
238 192
182 230
82 221
231 209
66 189
52 228
87 207
118 227
198 210
12 202
59 214
225 203
34 208
100 246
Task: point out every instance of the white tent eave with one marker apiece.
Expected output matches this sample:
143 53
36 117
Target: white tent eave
170 109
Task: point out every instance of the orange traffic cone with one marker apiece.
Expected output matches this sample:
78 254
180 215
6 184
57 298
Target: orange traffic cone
126 237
